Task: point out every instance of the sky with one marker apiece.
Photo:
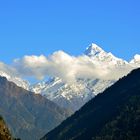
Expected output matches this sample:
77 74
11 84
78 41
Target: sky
35 27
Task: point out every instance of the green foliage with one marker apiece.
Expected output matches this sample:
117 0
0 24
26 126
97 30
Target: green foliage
1 119
4 131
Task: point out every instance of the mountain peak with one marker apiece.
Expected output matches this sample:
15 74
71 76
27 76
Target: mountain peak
93 49
99 55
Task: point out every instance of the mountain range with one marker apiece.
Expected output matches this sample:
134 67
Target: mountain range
72 95
111 115
30 111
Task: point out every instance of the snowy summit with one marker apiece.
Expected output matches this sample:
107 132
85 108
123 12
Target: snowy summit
93 49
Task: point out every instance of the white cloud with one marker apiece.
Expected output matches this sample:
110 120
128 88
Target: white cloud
67 67
137 57
31 66
8 69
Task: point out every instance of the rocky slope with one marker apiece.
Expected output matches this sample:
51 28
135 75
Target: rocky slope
27 115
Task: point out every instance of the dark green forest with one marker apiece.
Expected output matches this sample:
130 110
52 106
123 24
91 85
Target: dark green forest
111 115
125 126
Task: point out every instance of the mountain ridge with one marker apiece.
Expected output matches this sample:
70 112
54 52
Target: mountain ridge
25 112
94 119
72 95
62 93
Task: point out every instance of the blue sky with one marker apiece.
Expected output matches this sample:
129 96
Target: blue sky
44 26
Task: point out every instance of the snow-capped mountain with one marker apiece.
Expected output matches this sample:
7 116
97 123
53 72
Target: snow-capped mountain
75 95
98 54
17 80
71 96
93 50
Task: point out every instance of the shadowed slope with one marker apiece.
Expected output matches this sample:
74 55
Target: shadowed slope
102 117
27 115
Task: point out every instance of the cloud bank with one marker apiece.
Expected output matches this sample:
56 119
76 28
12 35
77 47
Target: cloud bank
8 69
66 67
